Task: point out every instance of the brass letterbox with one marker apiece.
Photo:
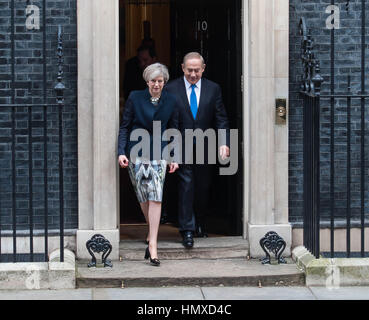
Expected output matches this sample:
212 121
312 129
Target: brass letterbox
281 111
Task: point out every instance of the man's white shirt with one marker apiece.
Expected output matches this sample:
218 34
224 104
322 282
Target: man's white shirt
189 90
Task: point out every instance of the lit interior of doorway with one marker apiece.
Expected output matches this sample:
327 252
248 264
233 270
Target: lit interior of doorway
141 19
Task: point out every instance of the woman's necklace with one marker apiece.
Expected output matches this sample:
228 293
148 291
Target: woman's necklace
154 100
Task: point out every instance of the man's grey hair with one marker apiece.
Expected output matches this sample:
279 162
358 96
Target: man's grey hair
156 70
193 55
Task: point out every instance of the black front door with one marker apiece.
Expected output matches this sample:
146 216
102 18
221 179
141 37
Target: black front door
213 28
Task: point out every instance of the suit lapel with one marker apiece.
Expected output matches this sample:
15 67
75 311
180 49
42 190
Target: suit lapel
148 109
160 104
183 95
203 97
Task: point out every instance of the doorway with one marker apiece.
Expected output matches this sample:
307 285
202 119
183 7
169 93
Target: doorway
213 28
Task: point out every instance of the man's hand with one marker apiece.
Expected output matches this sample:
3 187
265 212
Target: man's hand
123 161
224 152
173 167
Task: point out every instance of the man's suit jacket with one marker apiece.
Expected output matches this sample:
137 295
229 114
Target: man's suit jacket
210 114
139 113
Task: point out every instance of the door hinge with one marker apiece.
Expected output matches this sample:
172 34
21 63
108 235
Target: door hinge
241 82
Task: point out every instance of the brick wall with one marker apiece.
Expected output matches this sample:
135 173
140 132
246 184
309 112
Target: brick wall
29 88
348 61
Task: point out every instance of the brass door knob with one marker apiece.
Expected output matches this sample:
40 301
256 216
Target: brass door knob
281 111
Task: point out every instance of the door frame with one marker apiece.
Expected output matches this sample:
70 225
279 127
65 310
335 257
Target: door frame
264 63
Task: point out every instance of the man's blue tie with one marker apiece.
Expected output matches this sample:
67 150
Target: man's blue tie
193 101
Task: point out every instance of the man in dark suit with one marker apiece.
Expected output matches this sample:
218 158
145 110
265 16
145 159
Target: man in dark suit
146 55
200 106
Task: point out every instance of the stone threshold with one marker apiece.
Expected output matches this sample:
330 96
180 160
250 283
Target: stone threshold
191 272
331 272
204 248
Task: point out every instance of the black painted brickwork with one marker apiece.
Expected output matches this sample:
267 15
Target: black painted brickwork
29 89
348 61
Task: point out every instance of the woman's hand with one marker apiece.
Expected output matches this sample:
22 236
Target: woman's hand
173 167
224 152
123 161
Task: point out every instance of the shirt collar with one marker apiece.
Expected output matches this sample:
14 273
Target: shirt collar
188 85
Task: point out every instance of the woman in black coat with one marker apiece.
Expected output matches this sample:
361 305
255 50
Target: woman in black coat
146 167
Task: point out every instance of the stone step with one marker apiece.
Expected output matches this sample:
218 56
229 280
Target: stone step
172 249
189 272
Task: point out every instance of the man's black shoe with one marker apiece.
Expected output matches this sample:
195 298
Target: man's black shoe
164 216
163 219
200 233
187 239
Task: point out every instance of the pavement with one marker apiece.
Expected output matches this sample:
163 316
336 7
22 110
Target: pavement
215 269
193 293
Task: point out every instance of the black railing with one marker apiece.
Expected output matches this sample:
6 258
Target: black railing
339 208
35 117
310 89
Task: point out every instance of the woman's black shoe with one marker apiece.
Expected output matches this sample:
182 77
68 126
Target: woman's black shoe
147 241
147 253
154 262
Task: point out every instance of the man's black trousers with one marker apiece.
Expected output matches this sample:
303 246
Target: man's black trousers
194 181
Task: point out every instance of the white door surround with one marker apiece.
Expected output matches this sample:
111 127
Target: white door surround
265 75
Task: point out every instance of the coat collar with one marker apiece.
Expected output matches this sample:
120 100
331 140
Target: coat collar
188 85
147 97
